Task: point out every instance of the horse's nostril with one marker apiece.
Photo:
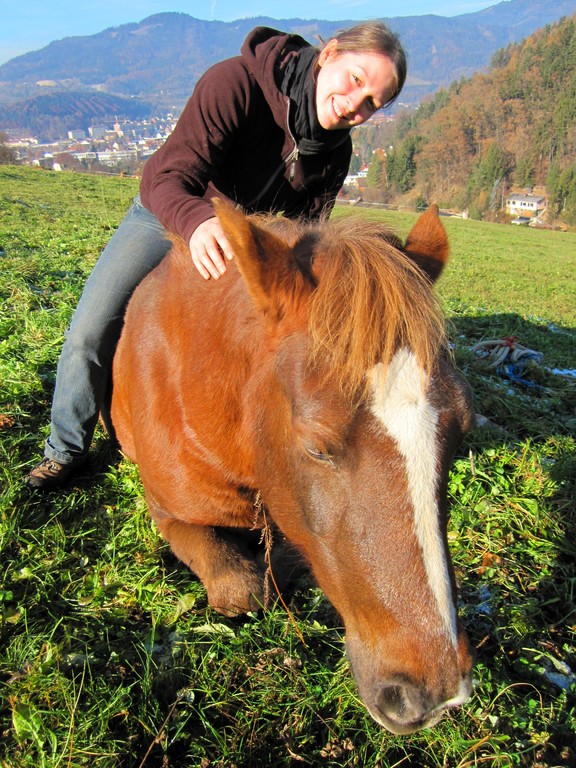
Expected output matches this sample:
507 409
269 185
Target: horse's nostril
392 702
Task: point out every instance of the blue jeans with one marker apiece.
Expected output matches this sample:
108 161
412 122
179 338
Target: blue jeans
82 380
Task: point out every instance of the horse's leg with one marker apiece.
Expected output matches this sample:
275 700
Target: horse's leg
220 559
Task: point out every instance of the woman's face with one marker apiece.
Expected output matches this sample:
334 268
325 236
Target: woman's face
350 87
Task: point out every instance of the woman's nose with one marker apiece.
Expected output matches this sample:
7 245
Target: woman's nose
354 102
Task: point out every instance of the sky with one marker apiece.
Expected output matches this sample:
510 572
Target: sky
32 24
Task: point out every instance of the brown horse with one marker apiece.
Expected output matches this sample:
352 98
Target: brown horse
314 374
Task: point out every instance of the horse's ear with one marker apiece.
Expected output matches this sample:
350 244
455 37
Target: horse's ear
427 243
263 258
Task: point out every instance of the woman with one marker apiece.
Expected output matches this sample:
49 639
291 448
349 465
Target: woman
269 130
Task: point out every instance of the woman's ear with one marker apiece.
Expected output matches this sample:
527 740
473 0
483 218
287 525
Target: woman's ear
329 50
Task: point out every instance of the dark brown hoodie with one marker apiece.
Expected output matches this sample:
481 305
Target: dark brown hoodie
234 140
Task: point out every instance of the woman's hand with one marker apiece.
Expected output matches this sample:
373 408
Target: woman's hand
209 249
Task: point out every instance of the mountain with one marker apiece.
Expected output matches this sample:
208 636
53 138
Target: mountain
160 58
513 126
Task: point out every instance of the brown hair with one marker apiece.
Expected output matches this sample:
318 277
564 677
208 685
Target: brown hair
374 37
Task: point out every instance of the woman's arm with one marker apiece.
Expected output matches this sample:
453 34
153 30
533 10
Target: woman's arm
176 177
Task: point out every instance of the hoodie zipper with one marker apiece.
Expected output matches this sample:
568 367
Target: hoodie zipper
290 161
292 158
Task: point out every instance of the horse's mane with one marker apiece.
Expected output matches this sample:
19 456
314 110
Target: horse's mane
370 301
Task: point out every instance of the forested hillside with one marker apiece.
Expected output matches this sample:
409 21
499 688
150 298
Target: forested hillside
52 115
514 126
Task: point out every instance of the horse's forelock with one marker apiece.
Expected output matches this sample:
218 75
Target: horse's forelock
370 300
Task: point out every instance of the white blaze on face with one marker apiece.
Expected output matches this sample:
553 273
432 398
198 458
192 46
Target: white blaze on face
401 406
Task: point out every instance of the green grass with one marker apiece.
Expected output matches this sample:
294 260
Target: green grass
502 269
109 655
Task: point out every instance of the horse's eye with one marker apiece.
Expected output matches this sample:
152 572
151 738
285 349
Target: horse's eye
318 455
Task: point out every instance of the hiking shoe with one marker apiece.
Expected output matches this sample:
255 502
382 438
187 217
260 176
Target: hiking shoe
50 474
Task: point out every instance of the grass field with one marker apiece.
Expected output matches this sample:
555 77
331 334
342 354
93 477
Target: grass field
109 655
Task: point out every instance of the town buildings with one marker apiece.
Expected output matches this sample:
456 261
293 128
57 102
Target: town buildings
117 145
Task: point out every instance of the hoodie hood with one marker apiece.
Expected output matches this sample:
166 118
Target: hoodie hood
266 52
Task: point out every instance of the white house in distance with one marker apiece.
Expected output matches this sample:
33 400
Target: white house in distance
76 135
525 205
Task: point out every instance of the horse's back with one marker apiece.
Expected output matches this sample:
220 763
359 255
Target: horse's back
178 371
142 352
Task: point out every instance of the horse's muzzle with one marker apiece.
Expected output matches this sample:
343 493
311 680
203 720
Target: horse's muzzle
405 708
